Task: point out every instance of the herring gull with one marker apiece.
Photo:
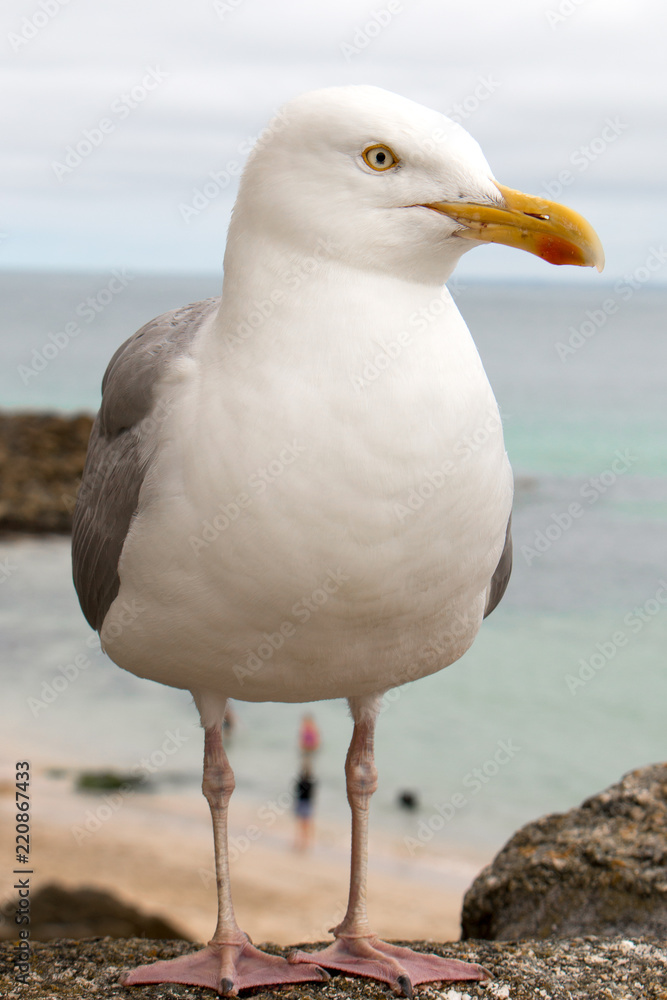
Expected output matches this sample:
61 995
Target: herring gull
245 526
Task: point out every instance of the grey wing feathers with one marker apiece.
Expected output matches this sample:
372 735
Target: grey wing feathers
501 576
120 453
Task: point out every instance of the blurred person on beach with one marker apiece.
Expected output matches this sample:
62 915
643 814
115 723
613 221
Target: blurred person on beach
309 739
304 794
304 789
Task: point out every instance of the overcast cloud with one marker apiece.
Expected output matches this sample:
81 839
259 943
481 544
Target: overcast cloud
545 86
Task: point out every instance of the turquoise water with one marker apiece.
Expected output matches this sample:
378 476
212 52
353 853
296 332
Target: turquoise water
564 688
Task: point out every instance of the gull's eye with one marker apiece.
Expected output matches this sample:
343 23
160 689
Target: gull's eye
379 157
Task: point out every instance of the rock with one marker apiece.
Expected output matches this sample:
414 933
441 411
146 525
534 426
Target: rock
41 462
56 912
598 869
590 969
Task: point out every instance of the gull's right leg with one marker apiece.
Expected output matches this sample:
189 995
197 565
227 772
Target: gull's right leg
229 962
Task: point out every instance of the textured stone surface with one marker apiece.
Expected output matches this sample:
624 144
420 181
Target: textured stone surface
598 869
56 912
41 461
584 969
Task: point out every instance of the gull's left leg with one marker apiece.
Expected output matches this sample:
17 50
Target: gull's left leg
357 950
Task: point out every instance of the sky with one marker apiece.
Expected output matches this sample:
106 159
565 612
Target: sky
566 98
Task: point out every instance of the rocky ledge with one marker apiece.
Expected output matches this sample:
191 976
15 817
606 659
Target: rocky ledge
41 461
576 969
598 869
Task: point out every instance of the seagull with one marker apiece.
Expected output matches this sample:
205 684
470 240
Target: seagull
294 490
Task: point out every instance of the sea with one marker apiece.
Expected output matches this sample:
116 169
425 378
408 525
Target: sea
563 691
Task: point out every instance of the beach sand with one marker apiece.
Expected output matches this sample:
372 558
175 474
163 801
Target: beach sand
156 852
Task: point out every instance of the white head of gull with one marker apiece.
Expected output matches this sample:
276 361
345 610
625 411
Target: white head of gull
246 525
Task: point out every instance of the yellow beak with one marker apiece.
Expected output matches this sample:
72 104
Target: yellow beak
549 230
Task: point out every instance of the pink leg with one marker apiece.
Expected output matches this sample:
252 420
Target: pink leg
229 962
357 949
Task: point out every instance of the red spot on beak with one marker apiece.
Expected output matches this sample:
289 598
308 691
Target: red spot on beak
556 250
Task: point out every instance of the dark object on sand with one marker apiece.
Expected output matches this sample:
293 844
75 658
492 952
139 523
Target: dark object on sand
408 800
108 781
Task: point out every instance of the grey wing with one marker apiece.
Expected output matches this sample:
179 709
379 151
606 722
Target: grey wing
501 576
121 447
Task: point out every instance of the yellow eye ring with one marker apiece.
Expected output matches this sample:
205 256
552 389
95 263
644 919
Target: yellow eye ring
379 157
